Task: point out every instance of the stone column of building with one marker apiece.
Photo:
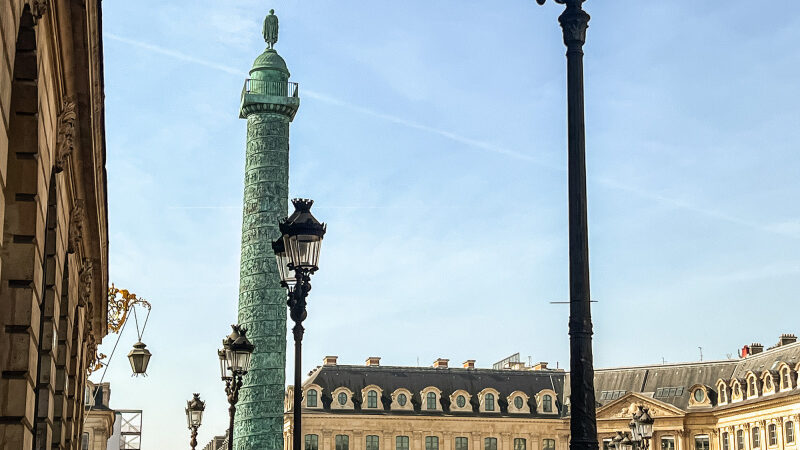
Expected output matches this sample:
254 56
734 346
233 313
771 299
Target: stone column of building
269 103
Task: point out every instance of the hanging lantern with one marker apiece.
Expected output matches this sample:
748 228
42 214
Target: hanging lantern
139 358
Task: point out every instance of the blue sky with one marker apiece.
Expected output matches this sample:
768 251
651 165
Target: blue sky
432 137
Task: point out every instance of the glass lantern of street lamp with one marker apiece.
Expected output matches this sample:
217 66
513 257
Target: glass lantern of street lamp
238 350
625 443
139 358
615 441
302 236
288 278
224 373
644 423
194 411
635 436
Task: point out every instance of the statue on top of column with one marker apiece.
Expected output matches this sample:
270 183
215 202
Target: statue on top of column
271 29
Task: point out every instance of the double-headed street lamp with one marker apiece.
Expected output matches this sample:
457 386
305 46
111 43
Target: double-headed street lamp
583 422
297 255
194 416
234 362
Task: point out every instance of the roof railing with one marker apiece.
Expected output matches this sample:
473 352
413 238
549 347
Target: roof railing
276 88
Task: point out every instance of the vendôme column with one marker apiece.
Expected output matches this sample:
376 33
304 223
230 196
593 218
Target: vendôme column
269 103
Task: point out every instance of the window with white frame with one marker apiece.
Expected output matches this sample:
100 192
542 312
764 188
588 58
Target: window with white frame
789 431
312 442
755 435
725 441
772 434
668 443
701 442
739 439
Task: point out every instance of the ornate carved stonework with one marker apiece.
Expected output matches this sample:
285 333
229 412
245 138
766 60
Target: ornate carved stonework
38 8
76 221
85 288
65 141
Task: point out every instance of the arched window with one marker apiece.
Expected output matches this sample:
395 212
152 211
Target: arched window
772 434
372 399
488 402
789 426
311 398
756 433
431 400
753 387
312 442
786 381
723 393
547 403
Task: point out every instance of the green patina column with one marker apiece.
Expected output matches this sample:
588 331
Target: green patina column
269 103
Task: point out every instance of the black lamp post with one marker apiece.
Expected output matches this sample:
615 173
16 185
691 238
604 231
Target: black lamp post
297 255
194 416
234 362
583 422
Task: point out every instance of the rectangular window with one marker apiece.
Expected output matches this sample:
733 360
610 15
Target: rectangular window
490 444
431 443
85 441
789 432
549 444
755 433
520 444
400 443
668 443
607 444
342 442
739 439
725 441
462 443
701 442
312 442
772 429
373 442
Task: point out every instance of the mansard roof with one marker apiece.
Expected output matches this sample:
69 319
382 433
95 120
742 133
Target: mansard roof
448 380
647 380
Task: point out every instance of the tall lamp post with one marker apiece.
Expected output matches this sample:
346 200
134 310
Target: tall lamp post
234 362
297 255
583 422
194 416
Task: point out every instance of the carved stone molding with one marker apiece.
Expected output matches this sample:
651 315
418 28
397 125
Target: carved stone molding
85 286
65 141
76 221
38 8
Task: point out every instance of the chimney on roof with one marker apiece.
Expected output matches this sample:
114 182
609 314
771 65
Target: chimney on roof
540 366
374 361
469 364
756 348
441 363
786 339
329 360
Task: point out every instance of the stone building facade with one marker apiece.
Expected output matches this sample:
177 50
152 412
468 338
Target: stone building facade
750 403
53 216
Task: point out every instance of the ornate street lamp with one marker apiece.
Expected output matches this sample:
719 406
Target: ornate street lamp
297 255
139 358
234 362
642 427
194 416
583 422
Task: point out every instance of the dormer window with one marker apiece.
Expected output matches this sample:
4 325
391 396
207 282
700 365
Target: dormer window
547 403
722 389
372 399
311 398
752 386
488 401
431 401
461 401
402 399
342 398
518 402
